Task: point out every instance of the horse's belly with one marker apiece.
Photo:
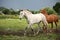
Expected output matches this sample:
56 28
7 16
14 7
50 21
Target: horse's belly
34 21
37 20
50 19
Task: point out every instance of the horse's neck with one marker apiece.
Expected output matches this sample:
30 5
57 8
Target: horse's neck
27 15
44 13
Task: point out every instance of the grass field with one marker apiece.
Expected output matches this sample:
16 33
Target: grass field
16 24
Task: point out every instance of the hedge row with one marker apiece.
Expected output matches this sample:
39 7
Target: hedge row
9 17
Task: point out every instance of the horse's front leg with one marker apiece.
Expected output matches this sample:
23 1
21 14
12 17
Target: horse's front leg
32 28
29 25
39 28
26 29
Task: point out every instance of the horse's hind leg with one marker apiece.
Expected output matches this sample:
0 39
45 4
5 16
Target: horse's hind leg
44 27
56 24
51 27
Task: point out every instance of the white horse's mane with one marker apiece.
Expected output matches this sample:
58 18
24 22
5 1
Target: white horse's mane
27 11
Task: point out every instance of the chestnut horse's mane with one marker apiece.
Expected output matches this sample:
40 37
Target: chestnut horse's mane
43 11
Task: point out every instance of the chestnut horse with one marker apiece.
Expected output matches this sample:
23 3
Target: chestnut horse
50 18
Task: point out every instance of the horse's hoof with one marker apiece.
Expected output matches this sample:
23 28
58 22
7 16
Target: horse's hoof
51 31
37 33
34 35
24 34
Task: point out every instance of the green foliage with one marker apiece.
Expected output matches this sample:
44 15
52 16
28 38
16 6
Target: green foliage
50 10
34 12
9 11
12 12
58 16
9 17
4 10
56 7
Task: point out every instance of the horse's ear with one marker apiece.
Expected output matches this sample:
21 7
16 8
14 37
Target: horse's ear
21 10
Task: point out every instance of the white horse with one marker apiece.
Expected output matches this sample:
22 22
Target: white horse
33 18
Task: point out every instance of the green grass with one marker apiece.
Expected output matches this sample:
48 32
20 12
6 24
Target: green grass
16 24
13 24
39 37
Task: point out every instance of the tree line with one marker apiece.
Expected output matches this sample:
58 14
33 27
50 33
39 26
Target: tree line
54 10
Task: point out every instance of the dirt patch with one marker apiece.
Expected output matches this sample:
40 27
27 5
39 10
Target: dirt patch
21 32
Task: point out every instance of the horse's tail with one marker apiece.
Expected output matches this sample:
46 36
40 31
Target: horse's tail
57 20
45 22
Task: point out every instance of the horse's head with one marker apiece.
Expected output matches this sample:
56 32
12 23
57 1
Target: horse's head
24 13
43 11
21 14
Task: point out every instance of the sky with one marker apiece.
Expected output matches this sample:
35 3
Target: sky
28 4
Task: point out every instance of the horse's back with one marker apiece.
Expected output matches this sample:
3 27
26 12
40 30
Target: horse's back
39 17
42 14
55 17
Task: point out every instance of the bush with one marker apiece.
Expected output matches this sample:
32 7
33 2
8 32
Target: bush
50 11
8 16
56 7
